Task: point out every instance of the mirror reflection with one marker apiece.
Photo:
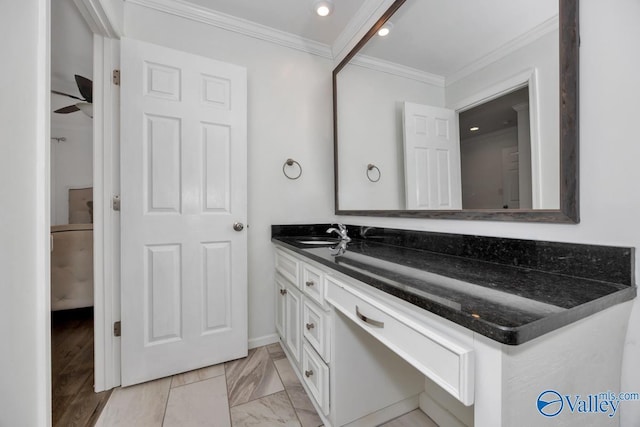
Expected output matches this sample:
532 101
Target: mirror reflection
457 106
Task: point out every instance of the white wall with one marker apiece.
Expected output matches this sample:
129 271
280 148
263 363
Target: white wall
609 149
25 398
542 55
71 166
289 112
370 109
481 165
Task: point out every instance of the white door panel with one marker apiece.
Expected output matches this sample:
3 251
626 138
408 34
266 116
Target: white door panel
432 158
183 157
510 178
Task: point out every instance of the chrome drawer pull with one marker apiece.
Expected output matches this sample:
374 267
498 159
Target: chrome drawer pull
370 321
310 326
283 291
310 283
308 373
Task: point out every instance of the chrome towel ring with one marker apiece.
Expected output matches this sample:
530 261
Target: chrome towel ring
291 162
370 167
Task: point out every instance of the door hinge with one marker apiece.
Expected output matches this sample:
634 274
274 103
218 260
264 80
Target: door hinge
117 329
116 77
116 203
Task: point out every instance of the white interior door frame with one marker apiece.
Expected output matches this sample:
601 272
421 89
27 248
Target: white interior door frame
106 176
527 77
106 232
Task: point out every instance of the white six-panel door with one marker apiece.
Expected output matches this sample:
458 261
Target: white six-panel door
431 158
183 175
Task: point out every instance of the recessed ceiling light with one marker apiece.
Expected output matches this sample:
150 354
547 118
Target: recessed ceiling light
474 129
386 29
323 8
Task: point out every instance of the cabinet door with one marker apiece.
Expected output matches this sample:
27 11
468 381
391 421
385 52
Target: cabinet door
281 295
293 321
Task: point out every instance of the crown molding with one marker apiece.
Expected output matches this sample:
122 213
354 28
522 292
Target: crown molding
534 34
397 70
100 19
367 15
231 23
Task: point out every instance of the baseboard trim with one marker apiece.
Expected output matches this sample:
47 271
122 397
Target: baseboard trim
387 414
263 340
438 413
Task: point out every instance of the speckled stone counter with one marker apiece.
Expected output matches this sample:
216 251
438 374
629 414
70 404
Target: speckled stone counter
509 290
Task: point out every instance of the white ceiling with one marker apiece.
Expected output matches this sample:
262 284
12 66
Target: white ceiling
292 16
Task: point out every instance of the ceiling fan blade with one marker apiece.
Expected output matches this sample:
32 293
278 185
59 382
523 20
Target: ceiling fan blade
85 86
67 110
66 94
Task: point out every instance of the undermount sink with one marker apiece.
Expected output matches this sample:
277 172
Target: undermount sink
318 242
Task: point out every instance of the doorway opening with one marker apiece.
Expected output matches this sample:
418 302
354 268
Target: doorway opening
495 153
71 213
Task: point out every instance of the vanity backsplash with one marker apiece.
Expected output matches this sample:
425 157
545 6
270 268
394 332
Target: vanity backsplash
612 264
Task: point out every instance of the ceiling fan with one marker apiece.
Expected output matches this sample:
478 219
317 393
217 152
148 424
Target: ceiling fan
85 86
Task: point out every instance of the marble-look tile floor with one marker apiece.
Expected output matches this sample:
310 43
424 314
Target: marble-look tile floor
259 390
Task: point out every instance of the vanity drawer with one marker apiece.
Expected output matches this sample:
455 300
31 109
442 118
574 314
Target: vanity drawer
288 266
447 363
315 328
313 283
315 374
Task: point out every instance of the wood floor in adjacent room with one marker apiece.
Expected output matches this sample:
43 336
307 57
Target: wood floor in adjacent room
73 401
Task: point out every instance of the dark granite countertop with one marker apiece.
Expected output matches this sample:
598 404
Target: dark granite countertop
479 289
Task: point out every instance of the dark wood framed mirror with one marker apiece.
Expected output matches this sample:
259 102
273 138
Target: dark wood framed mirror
387 104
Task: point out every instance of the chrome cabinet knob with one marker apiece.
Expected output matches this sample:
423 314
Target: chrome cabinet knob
238 226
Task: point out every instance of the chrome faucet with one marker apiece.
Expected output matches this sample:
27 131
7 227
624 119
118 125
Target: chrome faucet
342 232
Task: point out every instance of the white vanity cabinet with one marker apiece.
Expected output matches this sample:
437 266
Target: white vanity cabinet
302 321
366 357
355 391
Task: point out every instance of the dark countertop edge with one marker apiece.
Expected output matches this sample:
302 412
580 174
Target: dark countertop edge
503 335
558 320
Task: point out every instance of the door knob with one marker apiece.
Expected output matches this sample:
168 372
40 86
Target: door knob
238 226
